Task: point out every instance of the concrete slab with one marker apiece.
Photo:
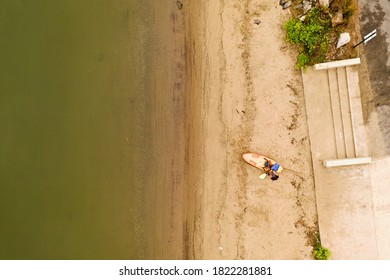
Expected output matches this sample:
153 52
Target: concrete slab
318 103
380 182
336 112
345 211
335 64
347 161
359 131
345 112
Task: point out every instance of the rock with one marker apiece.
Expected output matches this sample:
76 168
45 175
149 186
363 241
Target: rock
257 21
179 5
286 5
324 3
306 6
282 2
337 19
302 18
343 39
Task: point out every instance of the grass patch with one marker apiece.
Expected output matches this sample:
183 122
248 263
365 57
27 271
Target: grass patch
310 36
319 252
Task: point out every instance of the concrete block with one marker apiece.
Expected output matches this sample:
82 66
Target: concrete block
335 64
347 161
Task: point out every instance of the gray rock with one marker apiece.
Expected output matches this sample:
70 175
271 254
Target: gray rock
257 21
337 19
306 6
343 39
282 2
286 5
324 3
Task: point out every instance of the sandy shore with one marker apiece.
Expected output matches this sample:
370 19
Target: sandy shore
224 85
244 94
165 186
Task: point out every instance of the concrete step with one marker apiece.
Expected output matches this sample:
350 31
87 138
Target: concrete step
319 113
336 113
359 133
349 142
336 64
346 161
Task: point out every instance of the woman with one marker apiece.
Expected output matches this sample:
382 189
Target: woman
271 169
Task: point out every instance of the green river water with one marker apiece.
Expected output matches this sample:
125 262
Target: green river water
71 128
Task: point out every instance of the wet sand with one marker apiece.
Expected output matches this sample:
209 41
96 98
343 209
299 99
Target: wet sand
165 192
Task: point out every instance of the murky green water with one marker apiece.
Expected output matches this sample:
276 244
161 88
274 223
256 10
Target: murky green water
71 113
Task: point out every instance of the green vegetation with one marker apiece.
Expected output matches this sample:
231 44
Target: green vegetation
319 252
316 32
303 59
310 35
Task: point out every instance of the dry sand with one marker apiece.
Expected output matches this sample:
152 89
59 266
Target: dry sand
223 86
244 95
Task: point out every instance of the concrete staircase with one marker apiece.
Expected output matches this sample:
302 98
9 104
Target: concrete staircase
339 120
344 95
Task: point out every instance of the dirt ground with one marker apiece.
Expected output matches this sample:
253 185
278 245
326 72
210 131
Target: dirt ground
245 95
